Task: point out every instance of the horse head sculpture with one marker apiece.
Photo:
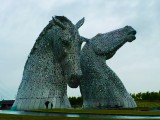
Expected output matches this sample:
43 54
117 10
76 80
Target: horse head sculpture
100 86
108 43
67 50
53 62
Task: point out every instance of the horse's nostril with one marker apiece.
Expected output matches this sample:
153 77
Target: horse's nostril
132 32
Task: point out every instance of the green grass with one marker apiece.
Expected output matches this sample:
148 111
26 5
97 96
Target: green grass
143 109
28 117
140 111
148 103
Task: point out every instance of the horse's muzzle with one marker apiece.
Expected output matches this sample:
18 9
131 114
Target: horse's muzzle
132 36
74 80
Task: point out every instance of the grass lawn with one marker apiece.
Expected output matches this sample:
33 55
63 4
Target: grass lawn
148 103
143 109
28 117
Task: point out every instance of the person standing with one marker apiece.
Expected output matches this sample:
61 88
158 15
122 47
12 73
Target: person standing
46 104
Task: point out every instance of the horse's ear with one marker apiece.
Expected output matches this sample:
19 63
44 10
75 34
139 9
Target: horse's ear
59 23
80 23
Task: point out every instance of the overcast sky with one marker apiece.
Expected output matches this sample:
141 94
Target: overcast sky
137 63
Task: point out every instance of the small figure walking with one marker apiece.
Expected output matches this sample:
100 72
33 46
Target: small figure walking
46 104
51 105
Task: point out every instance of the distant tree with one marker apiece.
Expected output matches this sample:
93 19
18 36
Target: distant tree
150 96
147 96
76 101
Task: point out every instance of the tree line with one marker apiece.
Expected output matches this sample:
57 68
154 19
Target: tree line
147 96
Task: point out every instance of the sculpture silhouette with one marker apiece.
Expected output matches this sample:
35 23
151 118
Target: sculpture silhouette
100 86
53 62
